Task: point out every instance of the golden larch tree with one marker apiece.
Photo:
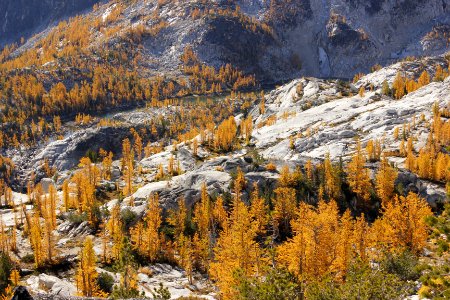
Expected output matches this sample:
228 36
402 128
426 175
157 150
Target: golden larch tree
36 236
402 225
246 128
385 181
358 176
204 221
424 79
226 134
147 235
259 210
236 249
399 86
114 228
285 203
86 274
127 167
332 181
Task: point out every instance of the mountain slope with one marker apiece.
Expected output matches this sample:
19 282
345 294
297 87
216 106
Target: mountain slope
23 18
303 120
276 40
139 154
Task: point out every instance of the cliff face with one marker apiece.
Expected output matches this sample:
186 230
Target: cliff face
22 18
339 38
387 30
342 37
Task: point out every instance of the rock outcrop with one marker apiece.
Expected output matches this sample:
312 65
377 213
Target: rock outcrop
53 284
310 118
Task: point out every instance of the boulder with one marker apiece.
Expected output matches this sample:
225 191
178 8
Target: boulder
46 183
56 286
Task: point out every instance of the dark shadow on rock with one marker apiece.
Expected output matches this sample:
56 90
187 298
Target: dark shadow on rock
21 293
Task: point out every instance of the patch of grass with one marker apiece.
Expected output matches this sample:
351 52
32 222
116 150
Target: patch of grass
105 282
28 258
76 218
128 217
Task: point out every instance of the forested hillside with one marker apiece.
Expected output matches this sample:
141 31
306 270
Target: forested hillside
184 150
